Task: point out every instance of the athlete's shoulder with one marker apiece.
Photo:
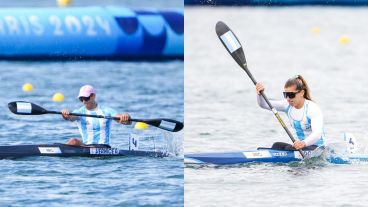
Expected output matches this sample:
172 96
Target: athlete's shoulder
103 107
81 110
312 104
107 110
285 104
313 108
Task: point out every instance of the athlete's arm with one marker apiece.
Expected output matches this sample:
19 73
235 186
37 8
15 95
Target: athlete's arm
279 105
66 115
124 118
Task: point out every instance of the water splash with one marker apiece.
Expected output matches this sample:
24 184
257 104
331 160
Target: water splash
157 140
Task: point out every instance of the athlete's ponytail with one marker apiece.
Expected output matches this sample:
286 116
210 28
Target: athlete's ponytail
300 84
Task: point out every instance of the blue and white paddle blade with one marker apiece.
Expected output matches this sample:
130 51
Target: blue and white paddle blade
20 107
170 125
25 108
351 143
231 43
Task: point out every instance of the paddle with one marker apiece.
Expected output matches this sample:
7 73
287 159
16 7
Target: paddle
26 108
233 46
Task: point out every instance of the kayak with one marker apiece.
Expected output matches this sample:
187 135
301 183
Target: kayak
64 150
267 155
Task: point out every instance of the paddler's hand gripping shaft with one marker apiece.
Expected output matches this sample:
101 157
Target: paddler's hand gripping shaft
233 46
245 67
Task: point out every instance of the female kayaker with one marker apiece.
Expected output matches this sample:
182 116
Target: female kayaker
304 114
94 131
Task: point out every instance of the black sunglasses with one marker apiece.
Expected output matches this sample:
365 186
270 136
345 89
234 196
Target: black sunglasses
84 98
290 94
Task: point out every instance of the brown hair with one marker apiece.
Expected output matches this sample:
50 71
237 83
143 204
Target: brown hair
300 84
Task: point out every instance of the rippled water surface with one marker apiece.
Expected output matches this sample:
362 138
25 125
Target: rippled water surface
221 112
144 89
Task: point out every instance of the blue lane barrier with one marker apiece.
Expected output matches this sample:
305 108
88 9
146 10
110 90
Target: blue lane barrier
91 33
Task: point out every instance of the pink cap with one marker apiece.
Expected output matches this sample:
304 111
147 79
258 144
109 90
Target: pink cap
86 91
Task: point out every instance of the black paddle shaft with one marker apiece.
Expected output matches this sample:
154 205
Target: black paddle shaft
154 122
26 108
234 47
160 122
270 105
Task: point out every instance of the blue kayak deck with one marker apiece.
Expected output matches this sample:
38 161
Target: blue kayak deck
64 150
262 155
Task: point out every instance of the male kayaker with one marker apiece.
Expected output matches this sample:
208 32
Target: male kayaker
304 114
94 131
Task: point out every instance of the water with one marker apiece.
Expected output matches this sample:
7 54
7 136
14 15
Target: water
221 113
144 89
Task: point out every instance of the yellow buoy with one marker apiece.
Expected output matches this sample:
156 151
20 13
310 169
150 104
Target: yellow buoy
63 3
27 87
140 125
58 97
344 39
316 30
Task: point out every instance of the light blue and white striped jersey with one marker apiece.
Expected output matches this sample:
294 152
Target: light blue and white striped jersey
301 121
95 130
307 121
